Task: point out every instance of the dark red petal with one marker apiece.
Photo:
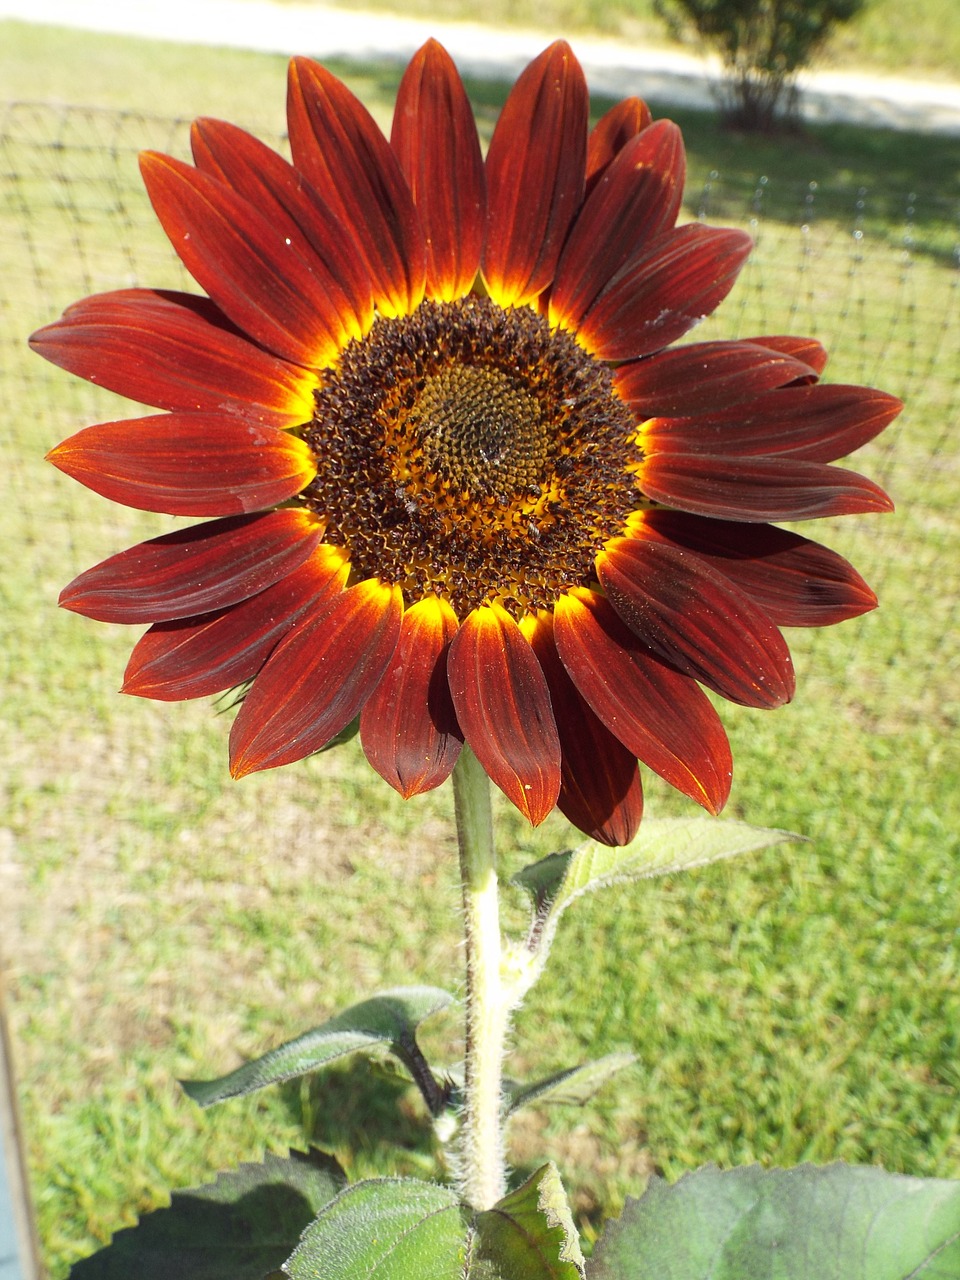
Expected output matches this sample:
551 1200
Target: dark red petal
659 715
195 570
408 726
809 350
503 706
697 620
197 657
188 464
535 175
663 291
252 271
175 351
600 789
339 149
286 199
813 423
611 134
635 201
318 678
796 582
435 139
758 489
704 377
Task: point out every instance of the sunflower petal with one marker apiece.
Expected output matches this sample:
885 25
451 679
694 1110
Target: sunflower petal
535 175
339 149
758 489
318 678
813 423
697 620
197 657
611 134
659 715
809 350
272 185
175 351
704 377
635 201
195 570
664 291
188 464
251 270
503 705
796 582
600 789
408 726
435 139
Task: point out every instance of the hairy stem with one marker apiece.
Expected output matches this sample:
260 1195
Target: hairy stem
483 1172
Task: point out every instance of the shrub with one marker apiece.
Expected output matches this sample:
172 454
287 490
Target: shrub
763 44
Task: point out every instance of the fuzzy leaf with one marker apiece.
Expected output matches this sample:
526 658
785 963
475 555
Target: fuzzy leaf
572 1087
400 1229
390 1018
835 1223
237 1228
528 1235
391 1229
663 846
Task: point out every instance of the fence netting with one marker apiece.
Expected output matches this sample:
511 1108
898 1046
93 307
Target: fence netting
873 273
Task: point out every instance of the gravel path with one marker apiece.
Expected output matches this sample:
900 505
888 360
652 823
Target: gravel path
613 67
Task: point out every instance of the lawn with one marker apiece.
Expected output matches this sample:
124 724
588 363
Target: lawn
159 921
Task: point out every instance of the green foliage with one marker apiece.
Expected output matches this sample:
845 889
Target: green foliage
389 1019
396 1229
570 1088
529 1233
661 847
836 1223
762 43
238 1228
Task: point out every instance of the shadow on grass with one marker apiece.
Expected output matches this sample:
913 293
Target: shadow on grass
363 1113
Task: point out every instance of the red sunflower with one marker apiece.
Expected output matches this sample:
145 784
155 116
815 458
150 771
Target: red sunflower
463 488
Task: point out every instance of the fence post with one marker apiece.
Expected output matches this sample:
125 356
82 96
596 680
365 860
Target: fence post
18 1253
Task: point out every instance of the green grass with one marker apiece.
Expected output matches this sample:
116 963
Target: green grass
160 921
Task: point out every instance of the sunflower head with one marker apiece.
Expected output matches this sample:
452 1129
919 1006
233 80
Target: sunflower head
460 482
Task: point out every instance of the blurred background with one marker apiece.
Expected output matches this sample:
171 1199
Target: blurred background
159 921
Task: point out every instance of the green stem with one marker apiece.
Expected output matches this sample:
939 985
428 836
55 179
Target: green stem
483 1173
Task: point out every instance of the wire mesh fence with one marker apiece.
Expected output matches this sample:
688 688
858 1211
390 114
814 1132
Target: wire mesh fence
875 274
97 791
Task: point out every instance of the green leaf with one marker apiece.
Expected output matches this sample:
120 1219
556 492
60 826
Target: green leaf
391 1229
572 1087
389 1018
400 1229
528 1235
663 846
237 1228
835 1223
543 879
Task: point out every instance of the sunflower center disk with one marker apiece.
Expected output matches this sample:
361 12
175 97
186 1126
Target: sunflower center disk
468 451
482 430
